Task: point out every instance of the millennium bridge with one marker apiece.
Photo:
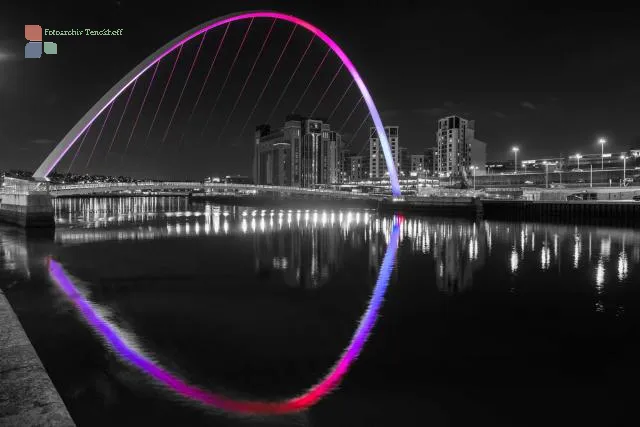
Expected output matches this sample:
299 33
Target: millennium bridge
62 190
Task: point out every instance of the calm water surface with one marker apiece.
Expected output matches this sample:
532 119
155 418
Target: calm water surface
485 323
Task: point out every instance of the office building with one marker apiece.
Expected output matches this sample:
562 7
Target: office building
377 162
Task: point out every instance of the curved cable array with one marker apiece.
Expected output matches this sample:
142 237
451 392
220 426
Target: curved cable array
107 101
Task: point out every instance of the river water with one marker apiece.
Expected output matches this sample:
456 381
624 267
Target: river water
158 311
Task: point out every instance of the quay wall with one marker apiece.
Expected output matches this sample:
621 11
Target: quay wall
27 395
27 210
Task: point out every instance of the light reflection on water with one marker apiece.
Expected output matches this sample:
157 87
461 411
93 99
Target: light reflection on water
307 245
459 248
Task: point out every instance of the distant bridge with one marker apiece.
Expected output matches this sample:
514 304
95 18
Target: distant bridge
98 188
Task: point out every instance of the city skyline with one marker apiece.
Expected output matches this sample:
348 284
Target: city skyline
511 106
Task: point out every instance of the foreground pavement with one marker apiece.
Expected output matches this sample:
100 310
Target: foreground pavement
27 395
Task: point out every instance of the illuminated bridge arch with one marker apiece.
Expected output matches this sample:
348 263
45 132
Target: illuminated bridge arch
72 136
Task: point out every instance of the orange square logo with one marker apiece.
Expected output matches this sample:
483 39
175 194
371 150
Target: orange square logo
33 33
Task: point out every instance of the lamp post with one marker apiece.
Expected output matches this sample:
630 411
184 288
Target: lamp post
578 157
591 175
602 141
515 153
624 169
473 168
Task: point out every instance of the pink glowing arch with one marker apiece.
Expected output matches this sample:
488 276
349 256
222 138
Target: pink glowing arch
72 136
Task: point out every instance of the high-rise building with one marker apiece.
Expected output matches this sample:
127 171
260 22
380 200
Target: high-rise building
457 148
454 154
304 153
377 162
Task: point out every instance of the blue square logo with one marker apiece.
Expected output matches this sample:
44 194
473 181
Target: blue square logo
33 50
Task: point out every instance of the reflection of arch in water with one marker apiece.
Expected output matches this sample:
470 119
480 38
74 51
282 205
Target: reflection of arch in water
180 386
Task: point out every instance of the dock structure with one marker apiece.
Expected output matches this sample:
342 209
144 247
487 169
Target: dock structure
27 395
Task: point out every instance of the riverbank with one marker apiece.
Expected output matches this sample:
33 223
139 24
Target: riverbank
27 395
596 212
601 212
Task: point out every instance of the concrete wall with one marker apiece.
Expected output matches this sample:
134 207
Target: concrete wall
562 194
27 210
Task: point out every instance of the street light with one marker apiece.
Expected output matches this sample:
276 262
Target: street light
515 153
624 168
602 141
473 168
578 157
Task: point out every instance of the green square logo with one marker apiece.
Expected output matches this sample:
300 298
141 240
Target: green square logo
50 48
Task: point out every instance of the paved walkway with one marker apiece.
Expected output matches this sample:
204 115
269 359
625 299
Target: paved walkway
27 395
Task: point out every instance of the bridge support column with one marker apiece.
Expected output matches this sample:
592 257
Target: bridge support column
26 203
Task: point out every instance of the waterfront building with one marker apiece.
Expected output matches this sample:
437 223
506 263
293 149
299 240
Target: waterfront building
305 152
454 154
377 162
457 148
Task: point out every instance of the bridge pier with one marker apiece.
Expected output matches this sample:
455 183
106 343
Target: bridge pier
26 203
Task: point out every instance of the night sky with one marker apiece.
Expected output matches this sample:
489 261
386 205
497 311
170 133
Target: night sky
546 77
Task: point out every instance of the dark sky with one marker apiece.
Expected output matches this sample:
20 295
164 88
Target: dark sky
550 78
